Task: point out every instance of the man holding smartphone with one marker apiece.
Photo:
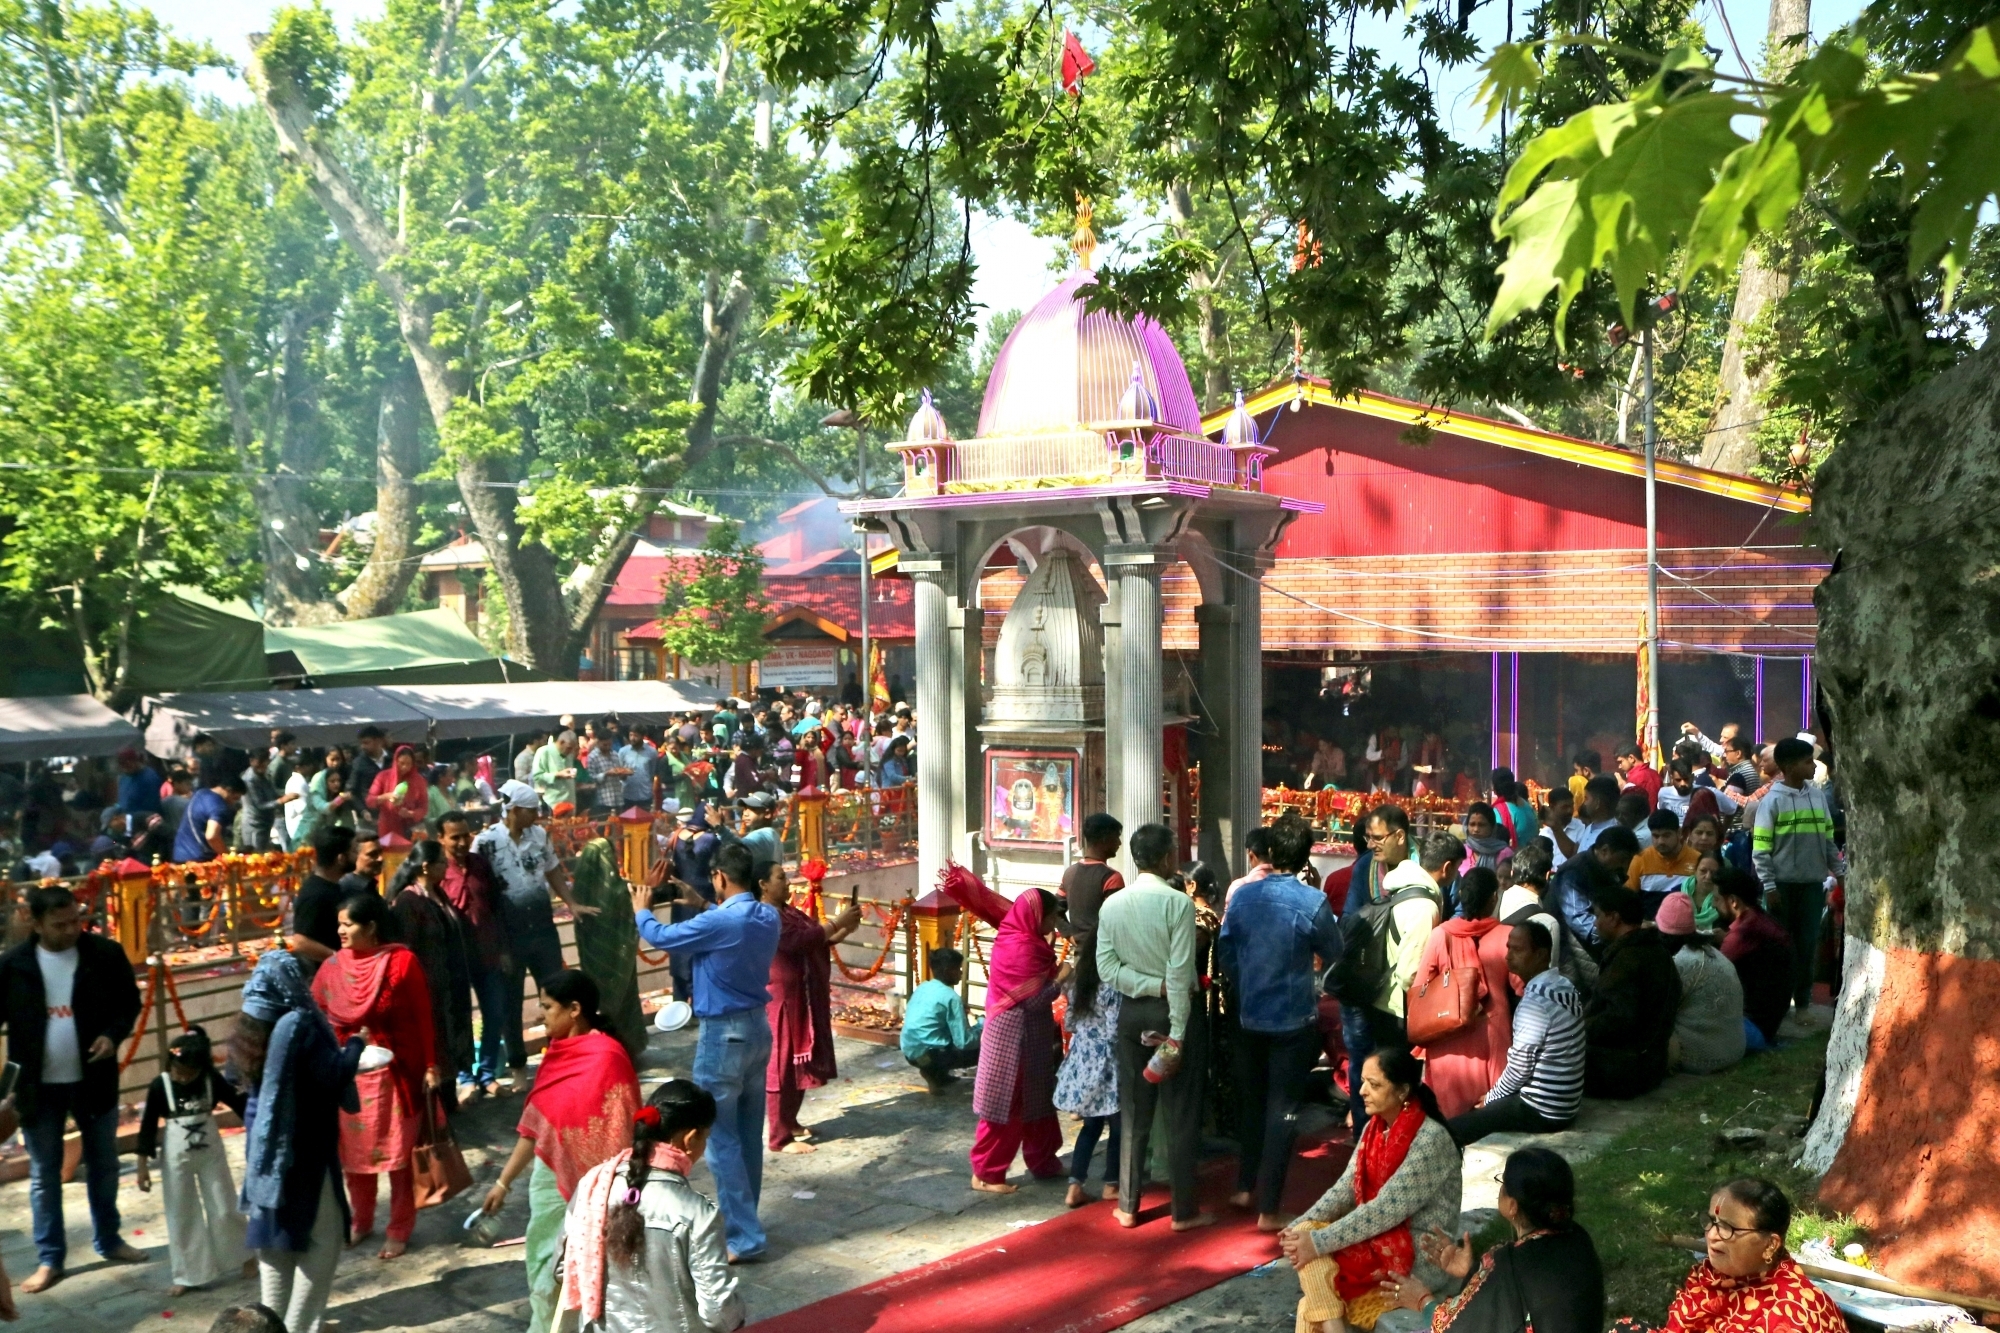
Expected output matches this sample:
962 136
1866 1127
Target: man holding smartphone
67 999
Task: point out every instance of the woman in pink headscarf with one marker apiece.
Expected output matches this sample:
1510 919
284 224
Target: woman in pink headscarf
1013 1094
400 797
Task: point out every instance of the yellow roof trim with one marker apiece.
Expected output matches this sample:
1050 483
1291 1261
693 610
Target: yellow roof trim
884 562
793 615
1543 443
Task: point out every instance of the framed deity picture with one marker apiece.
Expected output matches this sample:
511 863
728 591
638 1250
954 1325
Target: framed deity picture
1030 797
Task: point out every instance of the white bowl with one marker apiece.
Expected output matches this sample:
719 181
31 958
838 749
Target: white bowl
673 1016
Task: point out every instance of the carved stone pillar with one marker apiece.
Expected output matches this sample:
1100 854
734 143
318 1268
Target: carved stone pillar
938 745
1134 748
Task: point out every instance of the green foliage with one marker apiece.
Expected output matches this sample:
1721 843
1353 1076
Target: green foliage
1619 188
303 47
712 605
117 480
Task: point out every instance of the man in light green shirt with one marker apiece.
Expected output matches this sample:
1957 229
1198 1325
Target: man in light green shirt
1145 952
1430 872
555 771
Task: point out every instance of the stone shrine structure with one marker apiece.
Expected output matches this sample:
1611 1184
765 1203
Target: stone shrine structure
1089 471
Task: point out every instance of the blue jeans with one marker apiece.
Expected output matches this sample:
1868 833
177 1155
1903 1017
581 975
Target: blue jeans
729 1061
1086 1148
44 1135
539 952
1356 1031
489 988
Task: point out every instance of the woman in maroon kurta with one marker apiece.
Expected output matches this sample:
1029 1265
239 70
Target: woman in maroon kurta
377 991
801 1008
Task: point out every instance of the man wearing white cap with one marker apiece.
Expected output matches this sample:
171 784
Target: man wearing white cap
519 851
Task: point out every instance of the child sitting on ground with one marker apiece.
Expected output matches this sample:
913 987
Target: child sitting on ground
935 1036
204 1229
642 1249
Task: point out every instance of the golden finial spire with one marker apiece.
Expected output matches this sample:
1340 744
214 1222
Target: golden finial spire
1083 240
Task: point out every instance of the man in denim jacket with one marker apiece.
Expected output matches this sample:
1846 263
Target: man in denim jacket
1271 931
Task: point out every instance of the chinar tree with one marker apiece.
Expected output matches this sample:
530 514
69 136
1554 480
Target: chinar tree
1885 137
575 214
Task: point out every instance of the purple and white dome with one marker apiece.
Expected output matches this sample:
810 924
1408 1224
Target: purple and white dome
1064 368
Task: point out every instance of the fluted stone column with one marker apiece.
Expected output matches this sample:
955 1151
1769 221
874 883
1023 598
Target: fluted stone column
938 746
1219 838
968 788
1246 736
1135 746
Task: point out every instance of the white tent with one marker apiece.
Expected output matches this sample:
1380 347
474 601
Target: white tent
410 712
71 725
243 718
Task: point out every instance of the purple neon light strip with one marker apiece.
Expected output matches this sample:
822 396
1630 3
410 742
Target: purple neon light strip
1514 732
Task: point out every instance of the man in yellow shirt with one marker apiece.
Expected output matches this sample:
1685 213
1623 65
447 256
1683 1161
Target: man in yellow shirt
1587 765
1662 868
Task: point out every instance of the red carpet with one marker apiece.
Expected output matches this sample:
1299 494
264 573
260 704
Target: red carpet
1077 1273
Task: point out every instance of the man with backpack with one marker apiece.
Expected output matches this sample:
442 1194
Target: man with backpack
1382 940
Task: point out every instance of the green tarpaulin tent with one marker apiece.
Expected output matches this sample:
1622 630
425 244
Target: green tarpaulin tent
188 640
418 648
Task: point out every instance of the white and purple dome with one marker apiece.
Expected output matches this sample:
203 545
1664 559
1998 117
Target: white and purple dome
1064 368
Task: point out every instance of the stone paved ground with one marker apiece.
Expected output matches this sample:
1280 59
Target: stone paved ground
886 1191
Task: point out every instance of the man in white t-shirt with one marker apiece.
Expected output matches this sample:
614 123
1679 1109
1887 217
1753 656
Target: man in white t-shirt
67 999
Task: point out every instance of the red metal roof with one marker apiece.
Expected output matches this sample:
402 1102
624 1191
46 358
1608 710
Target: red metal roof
1485 486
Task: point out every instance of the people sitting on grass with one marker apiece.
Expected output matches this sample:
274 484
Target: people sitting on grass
642 1248
1463 1065
1629 1017
1761 951
1542 1086
1547 1279
1665 865
936 1038
1748 1283
1708 1027
1353 1247
1576 885
1704 835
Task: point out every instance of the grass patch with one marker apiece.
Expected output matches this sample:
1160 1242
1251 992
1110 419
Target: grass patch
1655 1178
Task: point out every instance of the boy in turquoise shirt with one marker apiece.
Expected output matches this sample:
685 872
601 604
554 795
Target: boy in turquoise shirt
935 1037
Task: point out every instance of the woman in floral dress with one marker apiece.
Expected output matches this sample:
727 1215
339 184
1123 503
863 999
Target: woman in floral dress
1088 1083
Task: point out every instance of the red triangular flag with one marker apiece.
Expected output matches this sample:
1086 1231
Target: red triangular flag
1076 63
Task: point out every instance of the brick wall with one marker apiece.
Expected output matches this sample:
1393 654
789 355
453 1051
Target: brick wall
1712 599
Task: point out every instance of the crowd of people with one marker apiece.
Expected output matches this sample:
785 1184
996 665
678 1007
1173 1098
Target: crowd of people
277 797
1454 984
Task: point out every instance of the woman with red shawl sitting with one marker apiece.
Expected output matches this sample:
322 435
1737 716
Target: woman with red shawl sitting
1353 1247
578 1114
801 1007
399 796
1014 1092
376 991
1748 1283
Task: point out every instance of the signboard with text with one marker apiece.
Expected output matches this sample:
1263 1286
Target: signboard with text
799 668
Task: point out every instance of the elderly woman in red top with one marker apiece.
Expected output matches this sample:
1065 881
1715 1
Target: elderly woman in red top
801 1008
399 796
377 991
1748 1283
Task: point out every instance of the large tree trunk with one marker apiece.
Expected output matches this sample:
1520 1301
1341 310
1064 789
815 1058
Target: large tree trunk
1909 663
1731 442
287 529
380 586
538 629
1211 329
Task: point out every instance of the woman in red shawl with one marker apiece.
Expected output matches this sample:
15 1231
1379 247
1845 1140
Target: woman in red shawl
1463 1067
801 1008
1014 1092
1748 1283
399 796
1404 1180
578 1114
377 991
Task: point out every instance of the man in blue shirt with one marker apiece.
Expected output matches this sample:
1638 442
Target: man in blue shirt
204 830
731 944
636 758
1271 931
138 785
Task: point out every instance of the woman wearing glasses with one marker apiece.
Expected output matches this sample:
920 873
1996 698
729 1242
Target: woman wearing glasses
1748 1283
